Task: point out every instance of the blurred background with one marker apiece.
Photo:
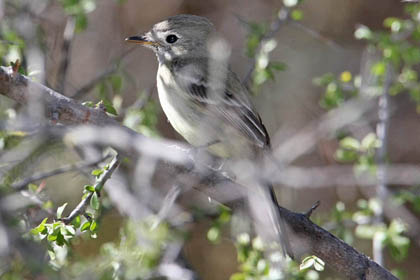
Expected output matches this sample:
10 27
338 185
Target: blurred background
98 64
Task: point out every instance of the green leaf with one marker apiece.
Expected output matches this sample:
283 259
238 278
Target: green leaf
97 172
116 82
60 210
85 226
379 68
278 66
89 188
350 143
109 107
238 276
76 221
70 229
93 226
297 14
40 228
94 201
81 22
370 141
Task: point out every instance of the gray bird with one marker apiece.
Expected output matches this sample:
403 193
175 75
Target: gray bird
202 98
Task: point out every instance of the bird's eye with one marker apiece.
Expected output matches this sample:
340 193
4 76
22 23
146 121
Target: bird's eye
171 39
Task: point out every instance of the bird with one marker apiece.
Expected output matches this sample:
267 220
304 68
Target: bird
203 99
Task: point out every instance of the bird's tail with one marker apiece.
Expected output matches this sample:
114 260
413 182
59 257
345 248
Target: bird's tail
284 239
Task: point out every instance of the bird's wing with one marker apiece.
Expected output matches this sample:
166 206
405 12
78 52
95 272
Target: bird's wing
227 99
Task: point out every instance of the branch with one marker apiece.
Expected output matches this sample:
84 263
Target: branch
381 188
307 237
80 208
281 17
72 167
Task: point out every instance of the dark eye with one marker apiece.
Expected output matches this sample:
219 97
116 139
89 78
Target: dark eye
171 39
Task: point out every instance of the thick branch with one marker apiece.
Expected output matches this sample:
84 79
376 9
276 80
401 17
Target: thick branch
304 234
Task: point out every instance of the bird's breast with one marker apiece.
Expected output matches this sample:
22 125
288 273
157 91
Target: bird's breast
183 118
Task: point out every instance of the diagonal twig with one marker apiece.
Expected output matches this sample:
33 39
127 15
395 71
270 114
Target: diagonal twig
69 168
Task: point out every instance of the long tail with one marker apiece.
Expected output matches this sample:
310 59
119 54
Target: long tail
284 239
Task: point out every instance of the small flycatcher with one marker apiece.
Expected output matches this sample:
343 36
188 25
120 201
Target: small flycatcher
202 98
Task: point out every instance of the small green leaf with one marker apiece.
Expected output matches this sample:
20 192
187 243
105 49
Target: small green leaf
297 14
85 226
350 143
76 222
93 226
40 228
60 210
379 68
89 188
109 107
97 172
94 201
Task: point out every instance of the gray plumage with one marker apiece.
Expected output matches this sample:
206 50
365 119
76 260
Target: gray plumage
206 111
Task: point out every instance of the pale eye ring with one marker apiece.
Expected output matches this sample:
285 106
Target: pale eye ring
171 38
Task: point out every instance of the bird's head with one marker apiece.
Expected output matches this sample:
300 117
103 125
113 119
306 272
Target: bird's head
177 36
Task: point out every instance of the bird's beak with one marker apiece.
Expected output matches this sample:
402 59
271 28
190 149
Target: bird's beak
142 40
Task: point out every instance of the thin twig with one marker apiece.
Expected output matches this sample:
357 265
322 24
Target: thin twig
312 209
381 188
80 208
281 18
69 168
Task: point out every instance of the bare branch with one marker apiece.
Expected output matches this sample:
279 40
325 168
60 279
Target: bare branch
307 237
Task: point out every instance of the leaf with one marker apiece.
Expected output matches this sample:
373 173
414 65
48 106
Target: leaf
93 226
70 229
40 228
85 226
97 172
60 210
307 263
76 222
109 108
297 14
350 143
89 188
379 68
116 82
94 201
319 264
278 66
